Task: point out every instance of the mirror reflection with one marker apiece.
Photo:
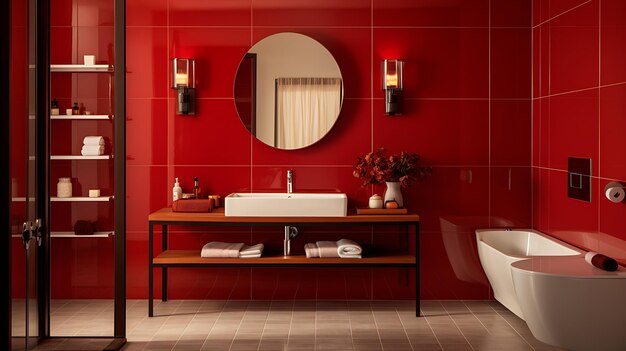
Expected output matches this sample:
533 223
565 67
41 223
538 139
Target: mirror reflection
288 91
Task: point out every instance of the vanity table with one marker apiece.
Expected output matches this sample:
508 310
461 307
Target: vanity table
191 258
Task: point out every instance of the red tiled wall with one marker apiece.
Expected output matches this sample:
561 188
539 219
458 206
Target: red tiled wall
579 104
467 112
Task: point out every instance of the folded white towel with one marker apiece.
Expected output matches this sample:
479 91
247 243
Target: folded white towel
311 250
219 249
348 249
327 249
254 250
343 248
250 256
93 140
92 150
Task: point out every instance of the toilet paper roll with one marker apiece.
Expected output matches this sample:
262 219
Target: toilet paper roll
94 192
615 193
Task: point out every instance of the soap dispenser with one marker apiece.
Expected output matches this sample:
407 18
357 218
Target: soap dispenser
177 191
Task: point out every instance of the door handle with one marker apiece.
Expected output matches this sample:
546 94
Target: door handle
32 230
38 231
27 233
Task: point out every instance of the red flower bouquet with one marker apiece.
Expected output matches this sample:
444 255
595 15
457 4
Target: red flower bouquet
377 168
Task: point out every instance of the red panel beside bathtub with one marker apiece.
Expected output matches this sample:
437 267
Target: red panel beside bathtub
584 67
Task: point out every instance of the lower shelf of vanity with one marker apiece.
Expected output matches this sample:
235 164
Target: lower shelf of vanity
174 258
105 234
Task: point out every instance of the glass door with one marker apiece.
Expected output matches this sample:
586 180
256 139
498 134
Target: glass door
27 174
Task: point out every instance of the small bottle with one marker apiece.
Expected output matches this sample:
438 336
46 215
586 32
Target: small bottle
75 109
177 191
54 107
196 188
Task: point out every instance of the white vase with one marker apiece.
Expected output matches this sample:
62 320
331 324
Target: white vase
394 192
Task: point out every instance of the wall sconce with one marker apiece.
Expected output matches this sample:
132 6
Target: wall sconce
392 85
184 81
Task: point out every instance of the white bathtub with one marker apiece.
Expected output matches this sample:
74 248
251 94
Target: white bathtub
499 248
572 305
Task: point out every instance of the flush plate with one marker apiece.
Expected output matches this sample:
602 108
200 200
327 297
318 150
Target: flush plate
579 178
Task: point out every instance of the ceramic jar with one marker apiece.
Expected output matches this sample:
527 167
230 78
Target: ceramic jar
64 187
376 201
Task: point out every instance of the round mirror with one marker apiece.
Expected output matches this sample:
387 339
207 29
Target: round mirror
288 91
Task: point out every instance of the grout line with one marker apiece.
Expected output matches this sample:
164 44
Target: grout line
512 327
214 324
532 109
459 328
562 13
431 327
404 327
380 341
599 111
489 118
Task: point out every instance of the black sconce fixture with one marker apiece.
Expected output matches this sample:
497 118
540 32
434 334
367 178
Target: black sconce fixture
184 81
392 85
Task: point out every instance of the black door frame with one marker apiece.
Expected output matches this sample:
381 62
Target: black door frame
42 73
5 176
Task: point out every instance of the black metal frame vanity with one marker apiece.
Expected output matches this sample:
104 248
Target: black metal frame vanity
191 258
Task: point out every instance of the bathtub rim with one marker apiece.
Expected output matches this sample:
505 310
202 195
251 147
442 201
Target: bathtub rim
620 274
479 232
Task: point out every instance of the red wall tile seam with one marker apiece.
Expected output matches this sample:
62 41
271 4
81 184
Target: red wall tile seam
562 13
599 106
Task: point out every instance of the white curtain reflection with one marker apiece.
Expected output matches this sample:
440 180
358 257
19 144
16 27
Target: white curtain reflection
306 108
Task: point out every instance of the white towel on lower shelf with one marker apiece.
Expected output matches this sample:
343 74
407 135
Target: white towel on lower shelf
254 251
327 249
250 256
93 140
343 248
311 250
251 250
348 249
92 150
216 249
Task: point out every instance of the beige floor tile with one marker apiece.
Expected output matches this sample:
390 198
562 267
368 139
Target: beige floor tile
299 325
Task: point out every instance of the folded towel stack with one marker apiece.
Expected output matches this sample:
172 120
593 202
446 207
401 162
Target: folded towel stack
216 249
93 146
343 248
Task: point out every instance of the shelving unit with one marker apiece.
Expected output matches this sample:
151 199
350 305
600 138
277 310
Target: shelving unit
81 117
81 199
80 157
73 69
81 68
105 234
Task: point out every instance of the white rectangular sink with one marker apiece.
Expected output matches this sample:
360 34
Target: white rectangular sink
286 205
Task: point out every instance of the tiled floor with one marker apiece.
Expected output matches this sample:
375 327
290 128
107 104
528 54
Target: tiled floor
309 325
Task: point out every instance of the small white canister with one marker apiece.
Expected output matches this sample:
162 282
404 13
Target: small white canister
376 201
64 187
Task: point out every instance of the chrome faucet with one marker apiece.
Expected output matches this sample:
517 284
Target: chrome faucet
289 181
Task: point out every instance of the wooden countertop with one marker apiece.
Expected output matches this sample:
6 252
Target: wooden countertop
217 216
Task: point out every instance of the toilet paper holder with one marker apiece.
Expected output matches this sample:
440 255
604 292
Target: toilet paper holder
614 192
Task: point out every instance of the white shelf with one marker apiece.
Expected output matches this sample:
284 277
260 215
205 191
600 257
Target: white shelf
80 157
82 199
72 235
22 199
81 117
81 68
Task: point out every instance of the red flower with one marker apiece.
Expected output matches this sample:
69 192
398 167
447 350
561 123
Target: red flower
376 168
